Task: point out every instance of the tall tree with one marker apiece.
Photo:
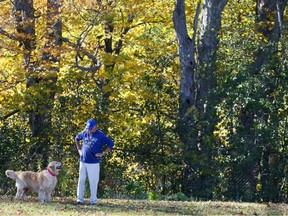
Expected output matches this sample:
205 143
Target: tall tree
253 92
41 74
269 22
197 80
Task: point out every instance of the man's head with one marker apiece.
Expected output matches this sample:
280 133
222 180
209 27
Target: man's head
91 124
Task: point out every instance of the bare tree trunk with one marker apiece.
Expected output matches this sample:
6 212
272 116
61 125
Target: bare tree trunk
197 79
206 51
186 49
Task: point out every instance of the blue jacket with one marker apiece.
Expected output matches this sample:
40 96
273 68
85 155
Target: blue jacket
93 143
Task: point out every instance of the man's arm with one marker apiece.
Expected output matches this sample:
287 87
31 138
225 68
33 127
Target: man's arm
110 144
101 154
77 143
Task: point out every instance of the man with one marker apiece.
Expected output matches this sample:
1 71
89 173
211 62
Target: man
93 141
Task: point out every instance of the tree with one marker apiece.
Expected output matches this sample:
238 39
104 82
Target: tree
251 123
269 22
41 72
197 81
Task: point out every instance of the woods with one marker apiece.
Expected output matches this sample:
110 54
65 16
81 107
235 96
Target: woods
193 93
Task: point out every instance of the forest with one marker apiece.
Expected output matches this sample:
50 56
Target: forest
193 93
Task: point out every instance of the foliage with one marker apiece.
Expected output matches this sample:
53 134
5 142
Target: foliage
250 127
144 71
134 96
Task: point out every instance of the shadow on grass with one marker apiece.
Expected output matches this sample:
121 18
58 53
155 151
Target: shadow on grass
129 206
105 206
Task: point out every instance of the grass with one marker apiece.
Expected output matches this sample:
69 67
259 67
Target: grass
66 206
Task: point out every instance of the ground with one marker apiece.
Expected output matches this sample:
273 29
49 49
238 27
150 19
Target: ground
66 206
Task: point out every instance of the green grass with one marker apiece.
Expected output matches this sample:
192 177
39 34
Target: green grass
66 206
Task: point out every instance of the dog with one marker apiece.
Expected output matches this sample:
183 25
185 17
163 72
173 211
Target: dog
42 182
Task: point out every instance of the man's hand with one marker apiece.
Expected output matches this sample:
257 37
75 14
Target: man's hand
99 154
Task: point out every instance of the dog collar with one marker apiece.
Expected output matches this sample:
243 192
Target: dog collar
53 174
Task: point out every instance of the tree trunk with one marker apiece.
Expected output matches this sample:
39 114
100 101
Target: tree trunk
186 49
41 76
113 48
197 78
23 12
206 51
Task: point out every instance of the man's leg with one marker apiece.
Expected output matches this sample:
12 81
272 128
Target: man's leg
93 176
81 182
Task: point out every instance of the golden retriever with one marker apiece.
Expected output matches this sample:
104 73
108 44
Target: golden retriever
42 182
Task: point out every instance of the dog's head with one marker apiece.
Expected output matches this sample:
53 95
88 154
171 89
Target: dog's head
55 167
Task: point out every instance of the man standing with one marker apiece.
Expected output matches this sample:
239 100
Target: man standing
93 141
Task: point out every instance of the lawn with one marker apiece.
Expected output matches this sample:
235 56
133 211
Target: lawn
66 206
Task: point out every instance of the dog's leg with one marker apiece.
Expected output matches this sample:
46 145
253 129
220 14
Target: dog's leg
18 194
41 196
22 193
20 189
48 196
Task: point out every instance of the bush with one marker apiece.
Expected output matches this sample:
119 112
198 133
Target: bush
182 197
152 195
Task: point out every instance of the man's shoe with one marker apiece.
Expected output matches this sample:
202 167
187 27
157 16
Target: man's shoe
93 203
79 203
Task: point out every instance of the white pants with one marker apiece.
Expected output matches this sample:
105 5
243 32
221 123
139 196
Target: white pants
93 171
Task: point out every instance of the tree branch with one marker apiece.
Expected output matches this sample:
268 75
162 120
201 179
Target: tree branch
96 62
10 114
10 36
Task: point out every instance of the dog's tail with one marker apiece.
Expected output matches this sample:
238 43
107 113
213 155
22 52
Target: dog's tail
11 174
